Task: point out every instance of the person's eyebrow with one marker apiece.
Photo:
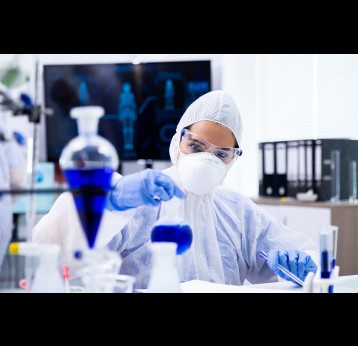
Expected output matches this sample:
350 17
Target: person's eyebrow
200 142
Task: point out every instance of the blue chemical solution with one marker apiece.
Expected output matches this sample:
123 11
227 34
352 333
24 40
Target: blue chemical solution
89 188
176 233
325 273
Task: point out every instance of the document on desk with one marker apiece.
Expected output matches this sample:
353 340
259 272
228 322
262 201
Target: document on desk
345 284
198 286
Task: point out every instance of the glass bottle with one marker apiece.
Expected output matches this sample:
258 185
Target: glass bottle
48 277
88 162
164 273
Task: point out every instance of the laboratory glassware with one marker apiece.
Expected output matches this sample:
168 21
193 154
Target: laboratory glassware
172 227
88 162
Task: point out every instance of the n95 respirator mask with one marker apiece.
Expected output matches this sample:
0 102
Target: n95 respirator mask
201 172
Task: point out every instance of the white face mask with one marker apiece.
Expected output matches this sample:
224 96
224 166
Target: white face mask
201 172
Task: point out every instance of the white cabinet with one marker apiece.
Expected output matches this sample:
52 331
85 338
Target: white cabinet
303 219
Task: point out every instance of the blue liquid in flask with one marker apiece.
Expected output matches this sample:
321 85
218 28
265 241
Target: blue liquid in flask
179 233
89 188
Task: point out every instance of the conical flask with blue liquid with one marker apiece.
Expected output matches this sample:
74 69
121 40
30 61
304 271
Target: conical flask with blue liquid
172 227
88 162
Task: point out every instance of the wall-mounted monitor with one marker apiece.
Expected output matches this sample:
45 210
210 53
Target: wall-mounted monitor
143 103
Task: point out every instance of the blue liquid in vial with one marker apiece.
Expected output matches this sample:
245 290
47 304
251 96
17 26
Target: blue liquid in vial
180 234
89 188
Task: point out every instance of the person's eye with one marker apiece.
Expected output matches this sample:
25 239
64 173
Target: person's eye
195 147
221 154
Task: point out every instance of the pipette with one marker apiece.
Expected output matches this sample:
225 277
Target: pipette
284 270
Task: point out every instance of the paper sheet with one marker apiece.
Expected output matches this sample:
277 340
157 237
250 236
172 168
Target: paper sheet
198 286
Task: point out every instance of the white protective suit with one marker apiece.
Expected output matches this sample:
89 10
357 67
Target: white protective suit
229 230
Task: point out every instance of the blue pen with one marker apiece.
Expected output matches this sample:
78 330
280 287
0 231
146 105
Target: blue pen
284 270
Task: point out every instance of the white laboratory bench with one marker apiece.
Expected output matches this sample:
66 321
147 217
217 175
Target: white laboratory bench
345 284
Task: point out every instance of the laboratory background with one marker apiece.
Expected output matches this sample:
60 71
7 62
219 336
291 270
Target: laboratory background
299 150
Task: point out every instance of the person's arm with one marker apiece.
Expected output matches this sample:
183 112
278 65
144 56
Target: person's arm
290 248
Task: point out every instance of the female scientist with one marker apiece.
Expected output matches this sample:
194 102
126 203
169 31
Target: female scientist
229 230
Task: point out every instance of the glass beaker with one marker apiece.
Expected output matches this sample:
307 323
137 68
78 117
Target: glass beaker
100 271
335 175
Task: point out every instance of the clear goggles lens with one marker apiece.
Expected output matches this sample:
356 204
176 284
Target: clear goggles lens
196 144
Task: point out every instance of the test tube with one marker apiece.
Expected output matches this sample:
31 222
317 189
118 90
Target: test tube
326 248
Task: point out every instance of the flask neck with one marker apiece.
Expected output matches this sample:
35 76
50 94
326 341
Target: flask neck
87 127
172 210
164 253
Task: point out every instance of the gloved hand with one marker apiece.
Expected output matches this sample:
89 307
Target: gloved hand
297 262
148 187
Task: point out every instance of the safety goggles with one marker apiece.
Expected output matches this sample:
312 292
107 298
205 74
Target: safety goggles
195 144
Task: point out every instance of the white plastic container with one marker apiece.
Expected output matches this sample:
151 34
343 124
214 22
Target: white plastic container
48 277
164 276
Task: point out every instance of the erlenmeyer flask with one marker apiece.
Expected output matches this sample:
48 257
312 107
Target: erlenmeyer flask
172 227
88 162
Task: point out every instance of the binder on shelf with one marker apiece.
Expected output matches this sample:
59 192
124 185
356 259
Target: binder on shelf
292 168
302 166
309 164
269 183
317 166
281 169
260 168
298 166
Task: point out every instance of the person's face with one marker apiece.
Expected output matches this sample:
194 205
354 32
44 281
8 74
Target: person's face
209 136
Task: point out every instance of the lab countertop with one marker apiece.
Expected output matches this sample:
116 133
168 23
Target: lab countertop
344 284
295 202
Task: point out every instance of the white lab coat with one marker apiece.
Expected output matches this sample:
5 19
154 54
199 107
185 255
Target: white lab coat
62 226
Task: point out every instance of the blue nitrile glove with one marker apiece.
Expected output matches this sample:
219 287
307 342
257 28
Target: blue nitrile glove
297 262
148 187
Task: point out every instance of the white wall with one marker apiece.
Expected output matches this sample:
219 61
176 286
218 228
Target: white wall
239 79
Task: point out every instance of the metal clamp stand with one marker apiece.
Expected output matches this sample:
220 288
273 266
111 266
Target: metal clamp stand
34 112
